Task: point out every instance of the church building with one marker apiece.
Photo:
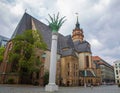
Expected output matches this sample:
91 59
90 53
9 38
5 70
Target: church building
74 56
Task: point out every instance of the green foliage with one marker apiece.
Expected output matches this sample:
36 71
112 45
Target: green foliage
14 57
38 61
2 49
36 83
10 81
38 40
25 37
23 51
55 23
37 65
1 59
46 78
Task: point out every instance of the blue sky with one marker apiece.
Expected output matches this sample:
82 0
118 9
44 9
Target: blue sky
98 18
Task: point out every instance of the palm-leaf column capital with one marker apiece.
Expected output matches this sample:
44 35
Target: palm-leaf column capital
55 22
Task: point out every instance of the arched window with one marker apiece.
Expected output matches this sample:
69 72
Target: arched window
68 65
87 61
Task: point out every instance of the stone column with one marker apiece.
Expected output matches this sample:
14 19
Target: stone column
53 61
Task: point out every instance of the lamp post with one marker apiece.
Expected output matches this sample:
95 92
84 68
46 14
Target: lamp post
55 24
85 74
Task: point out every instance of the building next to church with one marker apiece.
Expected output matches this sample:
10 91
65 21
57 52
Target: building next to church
117 71
74 56
3 40
104 70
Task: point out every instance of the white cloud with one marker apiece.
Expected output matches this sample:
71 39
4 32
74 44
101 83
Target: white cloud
98 18
17 10
108 59
101 6
96 44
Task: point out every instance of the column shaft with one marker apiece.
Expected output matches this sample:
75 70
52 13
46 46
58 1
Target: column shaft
53 60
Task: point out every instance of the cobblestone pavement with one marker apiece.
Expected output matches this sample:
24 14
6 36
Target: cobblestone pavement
37 89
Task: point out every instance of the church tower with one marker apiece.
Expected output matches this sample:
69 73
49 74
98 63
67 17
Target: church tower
77 33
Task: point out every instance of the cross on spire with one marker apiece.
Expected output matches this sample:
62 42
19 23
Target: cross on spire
25 10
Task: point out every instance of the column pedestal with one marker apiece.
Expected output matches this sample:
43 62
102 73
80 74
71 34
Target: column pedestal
51 87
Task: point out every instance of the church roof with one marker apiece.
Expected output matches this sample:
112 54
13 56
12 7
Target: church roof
24 24
45 31
63 41
68 52
82 46
69 41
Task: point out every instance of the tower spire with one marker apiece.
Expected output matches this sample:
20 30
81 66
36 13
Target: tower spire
77 23
77 33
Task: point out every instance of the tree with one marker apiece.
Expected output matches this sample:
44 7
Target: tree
46 78
22 55
2 49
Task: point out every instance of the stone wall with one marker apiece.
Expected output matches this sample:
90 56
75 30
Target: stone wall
69 71
5 78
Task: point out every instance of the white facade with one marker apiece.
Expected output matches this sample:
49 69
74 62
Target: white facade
117 71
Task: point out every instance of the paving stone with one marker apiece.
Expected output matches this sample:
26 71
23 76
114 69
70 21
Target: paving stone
33 89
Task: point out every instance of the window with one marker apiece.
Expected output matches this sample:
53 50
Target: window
37 76
91 80
87 61
74 66
117 76
68 73
14 66
74 73
68 65
116 65
117 72
117 81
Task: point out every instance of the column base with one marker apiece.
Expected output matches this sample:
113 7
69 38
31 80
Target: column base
85 85
51 87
